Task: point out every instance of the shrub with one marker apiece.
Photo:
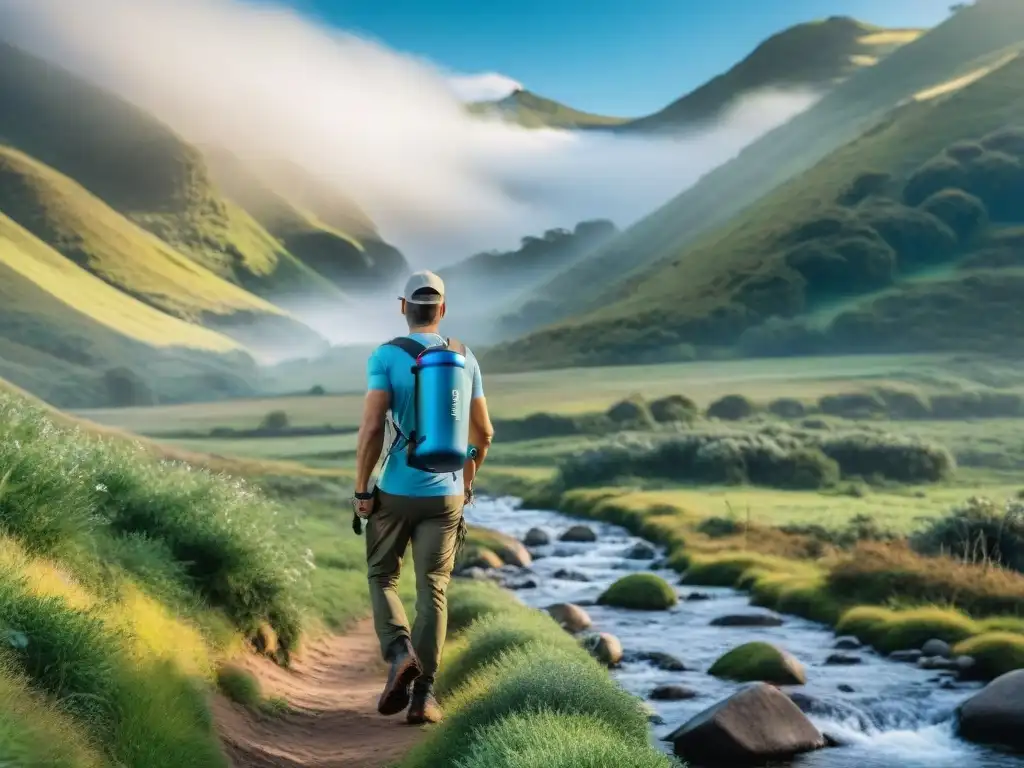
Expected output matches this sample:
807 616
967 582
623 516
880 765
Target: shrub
526 681
963 213
894 457
977 405
853 405
239 685
840 266
963 151
720 527
919 239
275 421
125 388
731 408
1008 140
904 405
994 653
863 186
317 390
934 176
640 592
780 337
632 412
537 426
980 531
674 408
488 638
787 408
998 180
556 741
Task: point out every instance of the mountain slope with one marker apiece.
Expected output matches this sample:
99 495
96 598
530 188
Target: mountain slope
908 238
684 230
533 111
816 55
62 328
140 168
348 252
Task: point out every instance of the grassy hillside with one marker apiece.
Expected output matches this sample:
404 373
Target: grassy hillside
817 55
348 251
689 228
63 330
141 169
906 239
529 110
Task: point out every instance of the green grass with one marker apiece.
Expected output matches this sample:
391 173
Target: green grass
240 685
708 278
530 110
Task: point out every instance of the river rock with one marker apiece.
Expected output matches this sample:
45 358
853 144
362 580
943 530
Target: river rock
910 657
604 647
845 688
567 574
756 723
847 643
694 597
748 620
521 584
579 533
572 618
842 660
759 662
640 551
995 715
662 661
672 693
935 647
536 537
936 663
476 573
481 557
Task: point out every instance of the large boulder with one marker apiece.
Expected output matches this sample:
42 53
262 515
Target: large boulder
572 618
672 692
759 662
579 533
481 557
749 620
640 592
995 715
640 551
755 724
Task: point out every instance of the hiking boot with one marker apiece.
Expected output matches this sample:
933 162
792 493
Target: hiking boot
405 668
424 707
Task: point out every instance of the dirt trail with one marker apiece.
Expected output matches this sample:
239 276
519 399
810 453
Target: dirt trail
332 690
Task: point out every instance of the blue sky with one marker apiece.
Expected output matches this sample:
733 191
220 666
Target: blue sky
620 57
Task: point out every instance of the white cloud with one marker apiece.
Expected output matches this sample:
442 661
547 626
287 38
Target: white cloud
384 127
489 86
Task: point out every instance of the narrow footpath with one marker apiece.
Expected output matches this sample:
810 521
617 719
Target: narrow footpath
333 723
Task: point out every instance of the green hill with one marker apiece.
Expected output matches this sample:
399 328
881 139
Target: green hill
679 247
141 169
818 55
63 331
324 229
95 237
532 111
907 238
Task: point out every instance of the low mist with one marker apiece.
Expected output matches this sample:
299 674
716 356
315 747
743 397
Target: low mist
386 128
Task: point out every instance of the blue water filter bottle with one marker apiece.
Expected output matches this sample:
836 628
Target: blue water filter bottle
442 411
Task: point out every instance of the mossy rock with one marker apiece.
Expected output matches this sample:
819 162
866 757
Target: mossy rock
759 662
994 653
640 592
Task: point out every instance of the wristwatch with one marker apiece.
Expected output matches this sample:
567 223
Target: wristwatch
365 496
472 452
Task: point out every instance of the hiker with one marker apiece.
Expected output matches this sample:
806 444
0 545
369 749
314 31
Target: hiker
414 504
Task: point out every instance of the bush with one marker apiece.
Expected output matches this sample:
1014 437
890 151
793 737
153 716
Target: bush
963 151
632 412
275 421
893 457
779 337
125 388
934 176
994 653
674 408
317 390
640 592
731 408
919 239
1008 140
527 681
787 408
963 213
904 405
546 740
980 531
239 685
889 630
841 266
863 186
853 405
998 180
538 426
977 405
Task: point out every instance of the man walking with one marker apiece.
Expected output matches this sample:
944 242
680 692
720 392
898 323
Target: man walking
412 505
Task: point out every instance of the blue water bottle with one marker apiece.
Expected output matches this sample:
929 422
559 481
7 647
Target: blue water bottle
441 439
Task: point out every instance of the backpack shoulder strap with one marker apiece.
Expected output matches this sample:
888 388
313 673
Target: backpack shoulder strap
410 346
456 346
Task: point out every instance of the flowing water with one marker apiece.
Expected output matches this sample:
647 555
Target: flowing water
892 714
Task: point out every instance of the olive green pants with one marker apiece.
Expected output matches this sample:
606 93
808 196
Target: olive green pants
432 524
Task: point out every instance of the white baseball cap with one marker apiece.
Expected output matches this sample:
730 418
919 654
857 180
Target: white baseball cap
425 280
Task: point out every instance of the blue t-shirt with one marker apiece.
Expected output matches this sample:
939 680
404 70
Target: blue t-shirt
389 369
